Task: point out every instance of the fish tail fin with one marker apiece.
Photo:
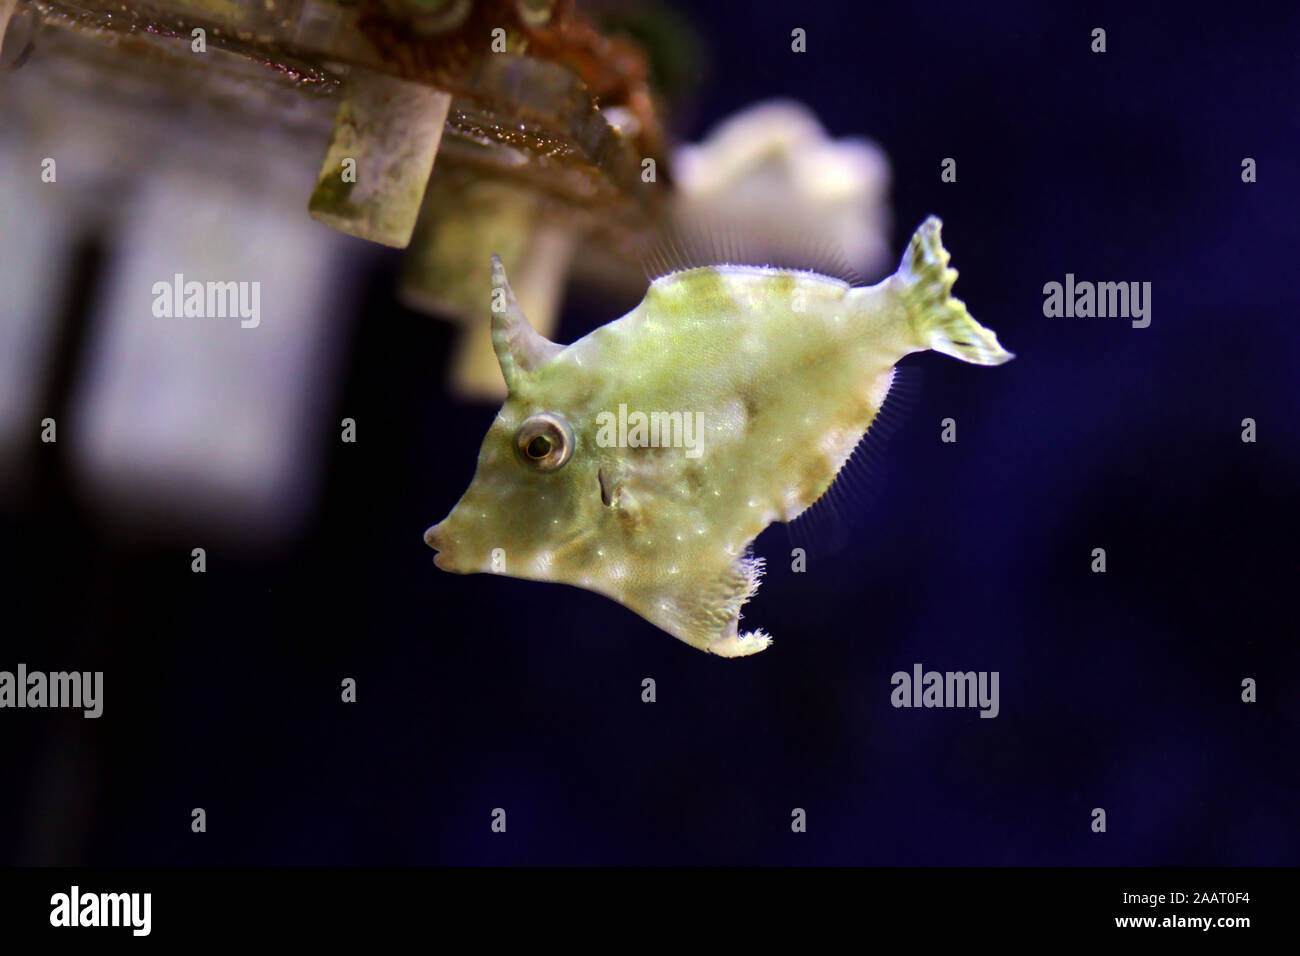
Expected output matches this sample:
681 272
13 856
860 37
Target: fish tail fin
940 321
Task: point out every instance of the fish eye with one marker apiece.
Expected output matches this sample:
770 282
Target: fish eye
545 441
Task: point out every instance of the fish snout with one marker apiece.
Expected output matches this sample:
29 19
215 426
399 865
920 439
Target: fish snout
448 538
436 538
433 537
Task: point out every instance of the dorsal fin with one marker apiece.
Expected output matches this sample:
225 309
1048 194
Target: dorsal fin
687 241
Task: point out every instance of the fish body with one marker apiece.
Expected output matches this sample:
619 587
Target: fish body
642 460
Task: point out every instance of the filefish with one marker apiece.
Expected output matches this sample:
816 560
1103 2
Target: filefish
642 460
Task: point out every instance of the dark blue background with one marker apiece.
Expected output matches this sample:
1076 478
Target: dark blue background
1118 691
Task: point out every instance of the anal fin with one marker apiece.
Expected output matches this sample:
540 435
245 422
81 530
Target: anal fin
828 522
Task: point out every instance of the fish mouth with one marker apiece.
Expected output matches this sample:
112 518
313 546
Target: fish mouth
434 539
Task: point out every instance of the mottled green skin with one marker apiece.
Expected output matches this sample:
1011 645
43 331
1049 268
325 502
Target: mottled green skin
788 370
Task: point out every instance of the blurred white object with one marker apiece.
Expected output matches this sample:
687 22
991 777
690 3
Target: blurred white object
197 427
199 420
772 168
36 239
